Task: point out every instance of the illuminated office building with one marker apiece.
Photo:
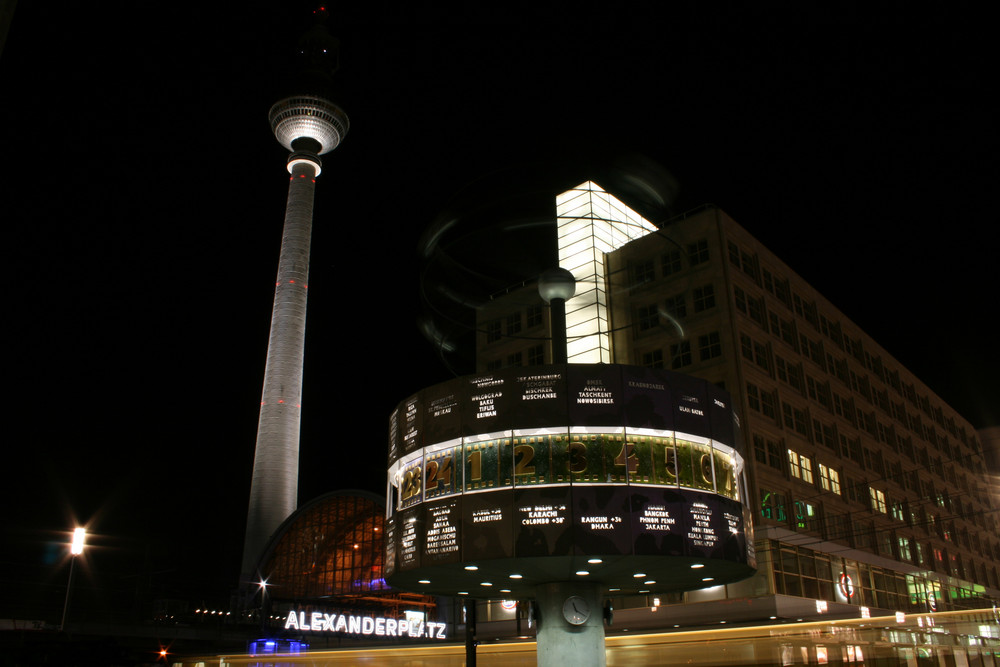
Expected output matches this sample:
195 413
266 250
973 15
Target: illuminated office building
868 489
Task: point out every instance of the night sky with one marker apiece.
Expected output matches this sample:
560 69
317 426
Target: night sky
143 197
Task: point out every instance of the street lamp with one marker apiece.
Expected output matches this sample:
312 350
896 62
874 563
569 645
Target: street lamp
262 585
75 548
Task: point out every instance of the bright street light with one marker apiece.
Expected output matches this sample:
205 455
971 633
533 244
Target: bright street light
79 535
75 548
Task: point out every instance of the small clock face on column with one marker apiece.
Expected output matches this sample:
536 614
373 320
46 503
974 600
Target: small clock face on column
575 610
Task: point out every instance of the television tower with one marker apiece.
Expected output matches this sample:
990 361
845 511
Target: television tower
308 125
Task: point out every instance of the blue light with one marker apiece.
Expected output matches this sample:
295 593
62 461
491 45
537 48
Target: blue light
276 646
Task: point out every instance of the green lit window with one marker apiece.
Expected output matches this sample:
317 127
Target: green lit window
772 506
806 516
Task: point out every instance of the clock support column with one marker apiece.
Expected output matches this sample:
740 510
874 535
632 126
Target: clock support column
560 641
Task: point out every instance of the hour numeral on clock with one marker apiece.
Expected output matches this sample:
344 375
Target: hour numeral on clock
438 471
706 468
577 462
627 457
475 461
411 483
670 463
523 455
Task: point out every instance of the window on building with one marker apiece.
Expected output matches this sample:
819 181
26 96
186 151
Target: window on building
772 506
647 317
760 356
877 500
741 299
653 359
807 516
795 375
709 346
761 400
536 355
824 395
753 397
749 262
756 311
800 466
514 323
734 254
781 368
850 448
775 323
863 531
534 316
824 434
794 418
844 407
680 354
783 291
838 526
493 365
514 360
697 252
746 347
493 331
774 458
768 404
643 272
704 298
829 479
768 281
759 449
885 543
675 305
788 332
671 262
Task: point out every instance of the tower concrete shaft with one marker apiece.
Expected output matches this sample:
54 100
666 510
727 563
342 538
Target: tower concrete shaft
274 486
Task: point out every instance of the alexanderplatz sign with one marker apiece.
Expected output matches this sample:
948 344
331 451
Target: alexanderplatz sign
629 477
413 625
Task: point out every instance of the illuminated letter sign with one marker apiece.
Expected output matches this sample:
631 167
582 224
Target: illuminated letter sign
366 625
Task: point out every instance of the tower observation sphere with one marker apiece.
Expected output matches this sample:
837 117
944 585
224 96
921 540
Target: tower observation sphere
308 117
309 126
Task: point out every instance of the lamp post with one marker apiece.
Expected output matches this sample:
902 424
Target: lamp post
264 620
75 548
556 287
